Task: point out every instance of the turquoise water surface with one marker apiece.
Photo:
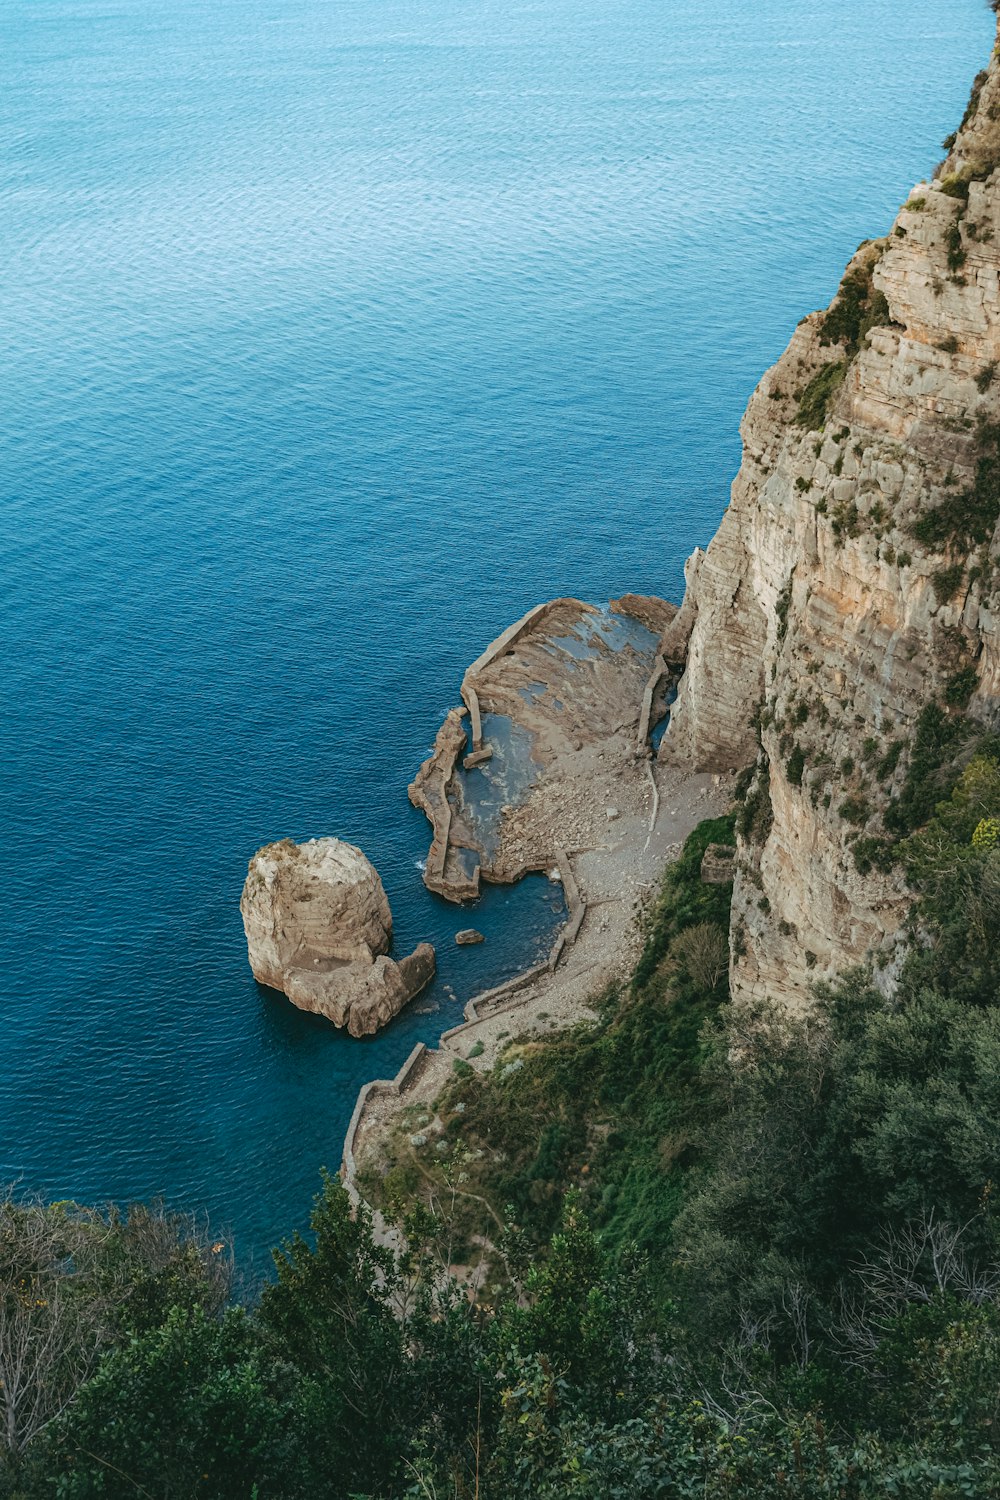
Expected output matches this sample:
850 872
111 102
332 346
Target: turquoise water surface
334 337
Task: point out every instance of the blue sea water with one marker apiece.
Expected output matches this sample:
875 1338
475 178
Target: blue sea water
334 336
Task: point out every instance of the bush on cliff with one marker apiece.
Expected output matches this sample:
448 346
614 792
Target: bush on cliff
609 1107
815 400
857 308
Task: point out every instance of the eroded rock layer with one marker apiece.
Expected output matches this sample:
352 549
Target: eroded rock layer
853 579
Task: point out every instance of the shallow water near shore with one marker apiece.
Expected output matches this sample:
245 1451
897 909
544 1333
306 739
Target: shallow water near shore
336 336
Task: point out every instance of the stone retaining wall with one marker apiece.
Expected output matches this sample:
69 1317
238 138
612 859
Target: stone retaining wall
380 1087
477 1010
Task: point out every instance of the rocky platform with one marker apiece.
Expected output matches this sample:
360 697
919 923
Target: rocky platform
555 718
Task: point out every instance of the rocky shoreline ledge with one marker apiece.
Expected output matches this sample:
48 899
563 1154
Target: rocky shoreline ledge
551 712
616 882
579 690
549 764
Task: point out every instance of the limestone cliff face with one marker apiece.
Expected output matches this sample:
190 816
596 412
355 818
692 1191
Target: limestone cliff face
854 576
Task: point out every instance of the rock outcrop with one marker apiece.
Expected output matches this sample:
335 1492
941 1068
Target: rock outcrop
319 928
564 693
656 614
854 577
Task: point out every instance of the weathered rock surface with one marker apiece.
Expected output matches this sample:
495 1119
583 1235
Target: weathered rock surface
468 937
559 698
817 626
319 928
656 614
452 868
677 633
718 865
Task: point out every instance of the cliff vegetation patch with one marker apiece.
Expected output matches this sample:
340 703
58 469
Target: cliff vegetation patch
967 518
610 1108
857 308
814 403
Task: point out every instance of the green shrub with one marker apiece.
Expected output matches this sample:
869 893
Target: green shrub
855 810
956 184
819 393
874 854
969 518
986 834
795 765
946 582
938 739
781 608
960 688
956 260
856 309
886 767
986 377
756 817
978 84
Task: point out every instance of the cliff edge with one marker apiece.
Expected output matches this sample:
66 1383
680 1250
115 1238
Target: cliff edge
853 580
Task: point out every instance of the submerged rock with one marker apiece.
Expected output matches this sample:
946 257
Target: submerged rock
319 929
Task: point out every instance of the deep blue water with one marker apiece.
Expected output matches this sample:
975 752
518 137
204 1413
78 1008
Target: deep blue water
334 336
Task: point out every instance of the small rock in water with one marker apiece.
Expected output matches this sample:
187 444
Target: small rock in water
468 936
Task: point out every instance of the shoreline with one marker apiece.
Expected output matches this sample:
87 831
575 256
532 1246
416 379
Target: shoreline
602 812
599 943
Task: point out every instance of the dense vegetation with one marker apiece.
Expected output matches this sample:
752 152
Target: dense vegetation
612 1109
729 1254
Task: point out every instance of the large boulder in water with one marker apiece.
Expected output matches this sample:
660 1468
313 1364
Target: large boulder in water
319 928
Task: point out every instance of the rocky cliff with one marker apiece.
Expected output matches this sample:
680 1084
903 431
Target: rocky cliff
853 580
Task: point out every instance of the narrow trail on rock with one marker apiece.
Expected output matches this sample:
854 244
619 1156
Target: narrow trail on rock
655 811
